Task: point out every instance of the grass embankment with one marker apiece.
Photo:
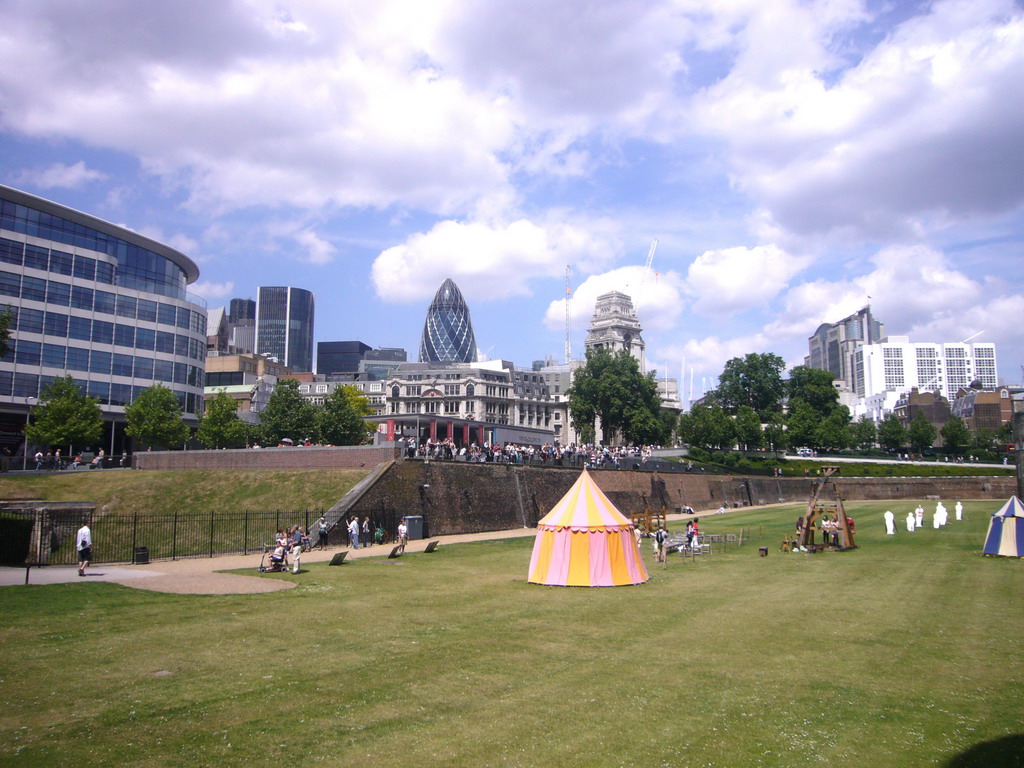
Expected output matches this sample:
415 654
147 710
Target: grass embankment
902 652
172 491
734 463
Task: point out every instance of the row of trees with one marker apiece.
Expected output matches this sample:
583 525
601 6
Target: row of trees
66 416
747 410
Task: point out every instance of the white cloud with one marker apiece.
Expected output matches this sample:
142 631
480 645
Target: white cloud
488 261
317 250
656 297
213 292
731 280
927 123
61 176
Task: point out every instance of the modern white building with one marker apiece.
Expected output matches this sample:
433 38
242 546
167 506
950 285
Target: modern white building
896 365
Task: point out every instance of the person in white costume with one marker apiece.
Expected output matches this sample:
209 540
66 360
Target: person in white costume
959 509
910 521
919 514
890 522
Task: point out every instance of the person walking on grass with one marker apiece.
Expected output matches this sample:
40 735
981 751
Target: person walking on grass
83 543
661 541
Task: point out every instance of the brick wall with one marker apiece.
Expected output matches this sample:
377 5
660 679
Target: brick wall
467 498
313 457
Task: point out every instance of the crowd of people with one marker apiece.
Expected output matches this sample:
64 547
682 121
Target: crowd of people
589 456
290 543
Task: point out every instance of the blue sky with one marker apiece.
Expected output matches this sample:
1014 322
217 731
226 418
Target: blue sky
791 158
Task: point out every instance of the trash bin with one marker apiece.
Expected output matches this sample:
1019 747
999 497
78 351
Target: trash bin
141 556
414 524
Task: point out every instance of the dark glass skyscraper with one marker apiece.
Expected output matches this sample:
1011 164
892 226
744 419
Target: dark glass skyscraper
284 326
447 332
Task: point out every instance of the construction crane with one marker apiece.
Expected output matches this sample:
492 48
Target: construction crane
568 314
643 276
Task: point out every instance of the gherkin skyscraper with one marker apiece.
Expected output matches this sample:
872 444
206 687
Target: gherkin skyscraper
447 332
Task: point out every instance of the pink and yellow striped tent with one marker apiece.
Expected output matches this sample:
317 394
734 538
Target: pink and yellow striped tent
585 542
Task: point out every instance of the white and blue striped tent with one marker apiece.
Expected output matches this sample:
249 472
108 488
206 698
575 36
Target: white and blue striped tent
1006 530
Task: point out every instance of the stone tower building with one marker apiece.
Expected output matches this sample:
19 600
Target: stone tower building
614 326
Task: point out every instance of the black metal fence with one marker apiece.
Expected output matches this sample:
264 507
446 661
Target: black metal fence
48 536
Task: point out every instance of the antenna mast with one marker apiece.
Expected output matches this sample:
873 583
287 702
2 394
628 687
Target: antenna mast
568 314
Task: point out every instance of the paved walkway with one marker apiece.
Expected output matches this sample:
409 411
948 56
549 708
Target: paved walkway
206 575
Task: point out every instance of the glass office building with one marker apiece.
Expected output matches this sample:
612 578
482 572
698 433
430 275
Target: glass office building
447 331
284 326
101 303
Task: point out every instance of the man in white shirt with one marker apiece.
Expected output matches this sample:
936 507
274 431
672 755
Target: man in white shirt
353 531
83 543
403 535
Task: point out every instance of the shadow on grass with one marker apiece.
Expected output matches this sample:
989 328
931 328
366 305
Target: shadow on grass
1007 752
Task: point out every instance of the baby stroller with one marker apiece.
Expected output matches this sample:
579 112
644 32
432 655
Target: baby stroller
278 560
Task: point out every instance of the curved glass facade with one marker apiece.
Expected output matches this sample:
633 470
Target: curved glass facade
447 332
103 309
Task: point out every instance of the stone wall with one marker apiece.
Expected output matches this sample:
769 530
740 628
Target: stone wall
300 457
467 498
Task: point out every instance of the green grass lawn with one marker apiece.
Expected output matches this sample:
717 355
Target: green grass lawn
904 652
165 492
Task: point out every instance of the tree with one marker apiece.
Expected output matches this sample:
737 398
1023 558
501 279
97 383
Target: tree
955 435
220 426
341 420
754 380
748 428
154 418
802 426
707 427
65 416
891 433
287 415
611 388
5 331
864 433
921 433
775 434
814 387
833 432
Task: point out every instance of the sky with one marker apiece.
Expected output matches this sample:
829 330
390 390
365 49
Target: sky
794 160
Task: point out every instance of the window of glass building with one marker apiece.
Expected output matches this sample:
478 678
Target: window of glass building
126 306
81 298
11 251
80 328
124 335
27 352
122 364
166 314
33 288
99 362
25 385
37 258
147 310
143 368
102 332
165 342
56 324
120 394
78 359
104 302
145 338
84 268
28 320
10 285
58 293
54 355
62 263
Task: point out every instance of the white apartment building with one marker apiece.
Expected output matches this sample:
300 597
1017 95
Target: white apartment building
894 365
